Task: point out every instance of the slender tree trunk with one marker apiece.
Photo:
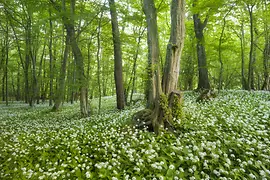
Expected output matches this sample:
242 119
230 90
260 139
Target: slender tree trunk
3 87
59 98
118 72
51 60
174 47
242 40
251 64
82 81
134 68
39 77
7 56
89 60
27 61
34 81
98 62
201 55
219 51
18 92
266 53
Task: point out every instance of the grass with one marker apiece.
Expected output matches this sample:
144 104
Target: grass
226 138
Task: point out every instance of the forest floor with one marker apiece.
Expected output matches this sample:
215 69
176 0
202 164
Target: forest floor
225 138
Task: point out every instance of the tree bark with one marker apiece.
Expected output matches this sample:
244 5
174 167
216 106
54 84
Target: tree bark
242 40
251 58
118 72
98 62
59 98
174 47
153 87
266 52
201 55
135 63
27 61
83 84
6 66
18 92
51 60
266 59
219 51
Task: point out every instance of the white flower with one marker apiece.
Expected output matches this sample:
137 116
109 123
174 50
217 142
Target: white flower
114 178
252 176
171 166
87 174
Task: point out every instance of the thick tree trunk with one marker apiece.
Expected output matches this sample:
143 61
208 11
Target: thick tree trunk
153 87
201 55
174 47
118 72
161 117
59 98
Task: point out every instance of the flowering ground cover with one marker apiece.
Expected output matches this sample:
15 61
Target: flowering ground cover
226 138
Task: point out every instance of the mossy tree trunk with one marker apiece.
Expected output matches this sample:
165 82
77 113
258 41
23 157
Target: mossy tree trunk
158 95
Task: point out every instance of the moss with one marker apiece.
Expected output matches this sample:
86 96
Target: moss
177 107
167 112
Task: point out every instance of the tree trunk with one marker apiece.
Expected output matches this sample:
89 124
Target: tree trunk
59 98
83 84
251 64
27 61
266 56
161 117
219 51
6 66
242 40
153 87
40 80
3 87
98 62
174 47
51 60
201 55
118 72
18 92
34 79
135 62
